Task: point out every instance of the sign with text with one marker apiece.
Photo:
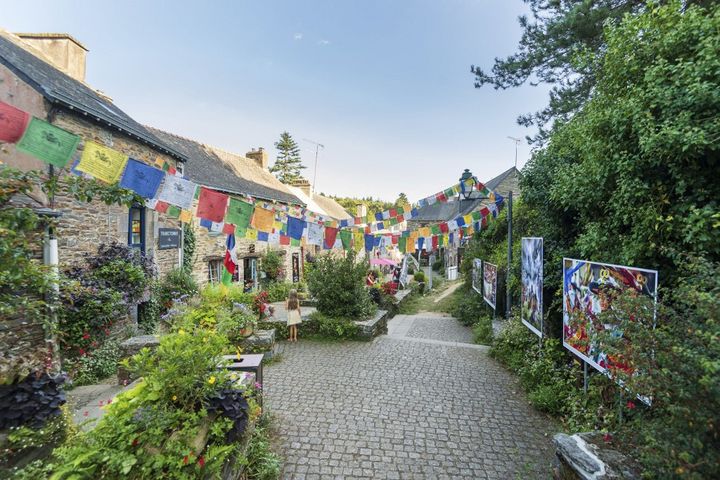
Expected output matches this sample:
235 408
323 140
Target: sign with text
168 238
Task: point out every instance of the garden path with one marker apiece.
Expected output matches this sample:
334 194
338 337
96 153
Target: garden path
420 402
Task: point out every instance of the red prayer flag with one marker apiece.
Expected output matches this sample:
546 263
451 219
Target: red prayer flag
485 211
172 170
434 242
161 207
441 197
229 229
393 212
330 235
444 227
13 123
400 218
284 240
368 230
395 239
211 205
358 220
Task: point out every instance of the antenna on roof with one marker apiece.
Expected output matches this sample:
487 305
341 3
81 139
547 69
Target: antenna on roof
318 146
517 142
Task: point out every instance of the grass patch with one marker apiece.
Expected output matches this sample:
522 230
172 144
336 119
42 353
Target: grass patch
416 303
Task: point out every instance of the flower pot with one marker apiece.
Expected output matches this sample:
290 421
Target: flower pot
246 332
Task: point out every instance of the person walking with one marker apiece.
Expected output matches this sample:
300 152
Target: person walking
292 304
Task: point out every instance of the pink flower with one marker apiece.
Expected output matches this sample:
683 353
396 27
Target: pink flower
201 461
86 413
630 404
101 403
607 437
109 401
81 351
86 336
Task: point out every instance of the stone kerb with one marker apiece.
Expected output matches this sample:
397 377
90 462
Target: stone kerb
374 326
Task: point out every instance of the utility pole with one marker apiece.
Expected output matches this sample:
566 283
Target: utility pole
318 146
517 142
508 301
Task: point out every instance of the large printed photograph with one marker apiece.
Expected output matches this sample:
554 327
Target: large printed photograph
588 290
477 275
531 295
490 283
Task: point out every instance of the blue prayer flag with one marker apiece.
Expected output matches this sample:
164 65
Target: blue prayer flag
460 221
141 178
204 222
295 228
421 242
378 216
369 242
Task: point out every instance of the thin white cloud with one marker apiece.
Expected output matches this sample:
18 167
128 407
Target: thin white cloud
324 42
298 36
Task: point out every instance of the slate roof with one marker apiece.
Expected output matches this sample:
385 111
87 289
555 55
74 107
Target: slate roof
495 182
63 90
442 212
321 204
205 167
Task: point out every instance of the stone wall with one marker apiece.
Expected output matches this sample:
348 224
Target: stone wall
84 226
211 246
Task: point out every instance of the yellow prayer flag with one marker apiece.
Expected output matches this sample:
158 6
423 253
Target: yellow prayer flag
186 216
102 162
424 232
159 162
358 240
251 234
468 219
263 219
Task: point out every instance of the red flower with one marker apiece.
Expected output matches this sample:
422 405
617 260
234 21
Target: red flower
86 336
94 344
81 351
135 442
201 461
630 405
185 460
607 437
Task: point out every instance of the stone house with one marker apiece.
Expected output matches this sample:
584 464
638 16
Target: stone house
43 74
439 212
238 176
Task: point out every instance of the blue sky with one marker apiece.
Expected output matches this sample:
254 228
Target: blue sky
384 85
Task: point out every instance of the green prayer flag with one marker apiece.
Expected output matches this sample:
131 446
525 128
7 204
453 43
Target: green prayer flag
173 211
441 240
476 215
449 192
400 210
393 221
226 277
239 214
295 242
402 244
435 229
346 239
47 142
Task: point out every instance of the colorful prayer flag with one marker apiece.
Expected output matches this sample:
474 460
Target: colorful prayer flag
186 216
173 211
48 143
330 236
263 219
102 162
211 205
369 242
296 227
141 178
178 191
315 234
161 206
239 214
346 239
13 122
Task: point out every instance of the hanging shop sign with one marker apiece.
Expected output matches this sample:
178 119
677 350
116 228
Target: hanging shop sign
169 238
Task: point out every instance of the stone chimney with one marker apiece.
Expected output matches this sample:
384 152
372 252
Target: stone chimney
303 184
60 49
260 156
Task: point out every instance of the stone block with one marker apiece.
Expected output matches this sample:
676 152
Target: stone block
585 456
261 341
130 347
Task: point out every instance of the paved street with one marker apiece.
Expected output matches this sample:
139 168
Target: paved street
419 402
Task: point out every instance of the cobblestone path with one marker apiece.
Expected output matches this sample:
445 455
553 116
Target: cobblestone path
420 402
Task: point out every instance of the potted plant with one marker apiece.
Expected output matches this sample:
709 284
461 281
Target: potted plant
240 324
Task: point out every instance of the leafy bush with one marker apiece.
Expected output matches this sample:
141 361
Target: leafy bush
262 463
331 327
338 285
437 265
31 401
86 315
95 366
469 307
177 284
272 265
278 291
483 330
419 276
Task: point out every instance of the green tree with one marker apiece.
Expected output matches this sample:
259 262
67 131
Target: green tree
288 164
560 46
402 200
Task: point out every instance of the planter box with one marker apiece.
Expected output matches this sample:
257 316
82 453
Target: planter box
374 326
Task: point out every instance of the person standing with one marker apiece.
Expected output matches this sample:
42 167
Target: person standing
293 314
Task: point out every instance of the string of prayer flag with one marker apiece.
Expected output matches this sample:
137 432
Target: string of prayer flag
178 191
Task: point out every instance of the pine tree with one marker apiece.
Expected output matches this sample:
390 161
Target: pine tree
288 164
402 200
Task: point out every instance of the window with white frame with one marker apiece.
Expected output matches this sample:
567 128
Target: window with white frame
215 268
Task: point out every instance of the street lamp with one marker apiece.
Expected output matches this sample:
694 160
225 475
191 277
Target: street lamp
467 175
